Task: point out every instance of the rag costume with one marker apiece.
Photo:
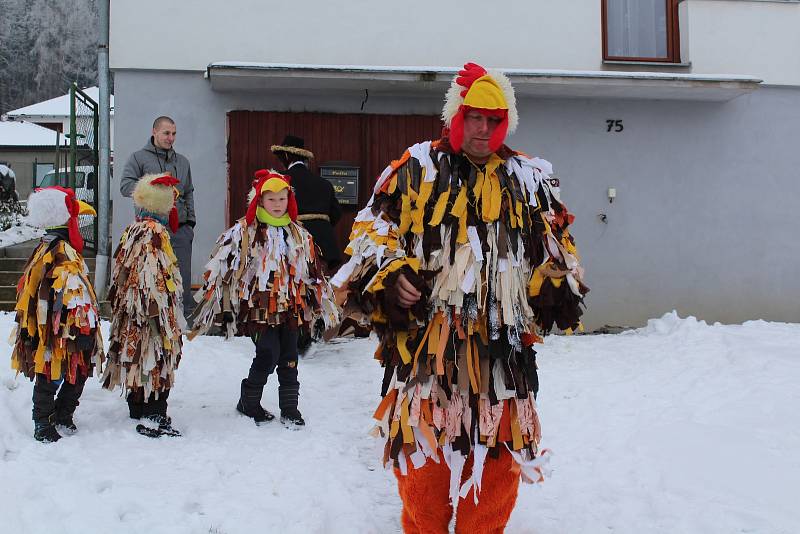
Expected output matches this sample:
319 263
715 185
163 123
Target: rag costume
264 280
489 248
145 295
57 336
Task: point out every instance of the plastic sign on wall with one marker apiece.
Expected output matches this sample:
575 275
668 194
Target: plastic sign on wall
344 178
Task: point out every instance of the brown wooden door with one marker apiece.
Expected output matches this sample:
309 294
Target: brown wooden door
369 141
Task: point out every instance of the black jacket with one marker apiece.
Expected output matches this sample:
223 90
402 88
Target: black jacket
315 195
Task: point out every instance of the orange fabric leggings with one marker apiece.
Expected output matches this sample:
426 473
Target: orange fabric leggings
426 497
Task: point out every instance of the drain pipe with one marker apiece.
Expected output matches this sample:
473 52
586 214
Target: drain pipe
104 183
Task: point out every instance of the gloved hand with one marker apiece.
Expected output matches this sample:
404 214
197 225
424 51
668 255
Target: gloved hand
406 291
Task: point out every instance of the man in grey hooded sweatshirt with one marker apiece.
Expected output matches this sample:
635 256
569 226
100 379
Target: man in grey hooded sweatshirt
158 157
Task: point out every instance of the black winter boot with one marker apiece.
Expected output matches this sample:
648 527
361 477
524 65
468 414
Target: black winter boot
250 403
68 399
292 418
44 409
289 394
45 431
155 410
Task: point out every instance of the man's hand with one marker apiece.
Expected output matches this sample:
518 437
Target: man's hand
407 294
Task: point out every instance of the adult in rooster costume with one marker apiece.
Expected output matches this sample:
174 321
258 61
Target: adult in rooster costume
265 279
463 260
146 299
57 337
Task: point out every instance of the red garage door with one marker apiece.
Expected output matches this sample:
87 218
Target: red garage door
369 141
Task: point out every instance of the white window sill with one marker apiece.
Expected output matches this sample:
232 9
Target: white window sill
650 63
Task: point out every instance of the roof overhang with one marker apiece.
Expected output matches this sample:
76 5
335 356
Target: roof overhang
231 76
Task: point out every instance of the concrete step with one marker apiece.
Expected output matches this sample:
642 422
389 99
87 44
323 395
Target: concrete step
9 278
8 293
24 249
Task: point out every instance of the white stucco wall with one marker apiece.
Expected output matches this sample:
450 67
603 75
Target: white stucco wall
746 37
182 34
741 36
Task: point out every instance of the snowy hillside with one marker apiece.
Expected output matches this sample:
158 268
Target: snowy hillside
678 427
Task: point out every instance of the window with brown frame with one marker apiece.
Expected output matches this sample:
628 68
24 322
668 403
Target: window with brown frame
641 30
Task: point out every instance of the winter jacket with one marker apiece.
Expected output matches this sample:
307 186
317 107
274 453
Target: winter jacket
315 197
153 160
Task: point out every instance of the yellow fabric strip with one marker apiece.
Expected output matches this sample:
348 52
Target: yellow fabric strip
421 345
425 190
401 347
460 205
471 368
535 285
444 335
439 208
405 215
516 432
408 434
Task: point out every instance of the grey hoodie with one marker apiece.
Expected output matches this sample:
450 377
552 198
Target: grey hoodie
154 160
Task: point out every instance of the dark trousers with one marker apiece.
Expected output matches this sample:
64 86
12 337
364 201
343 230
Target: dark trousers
52 401
276 347
138 407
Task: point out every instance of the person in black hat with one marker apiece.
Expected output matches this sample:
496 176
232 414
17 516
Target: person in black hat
318 209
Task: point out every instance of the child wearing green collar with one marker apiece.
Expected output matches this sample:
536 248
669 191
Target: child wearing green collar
265 280
272 210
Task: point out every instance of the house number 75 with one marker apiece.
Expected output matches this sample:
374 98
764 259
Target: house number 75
614 125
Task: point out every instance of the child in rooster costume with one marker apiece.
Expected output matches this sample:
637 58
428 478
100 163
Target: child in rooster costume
58 341
265 280
463 259
146 299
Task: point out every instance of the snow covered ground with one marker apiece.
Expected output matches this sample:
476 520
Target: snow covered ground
678 427
19 234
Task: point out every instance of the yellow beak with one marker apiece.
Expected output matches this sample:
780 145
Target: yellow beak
86 209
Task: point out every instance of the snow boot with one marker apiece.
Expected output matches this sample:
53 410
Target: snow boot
291 418
67 424
44 409
155 412
161 425
289 394
250 403
45 431
67 401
